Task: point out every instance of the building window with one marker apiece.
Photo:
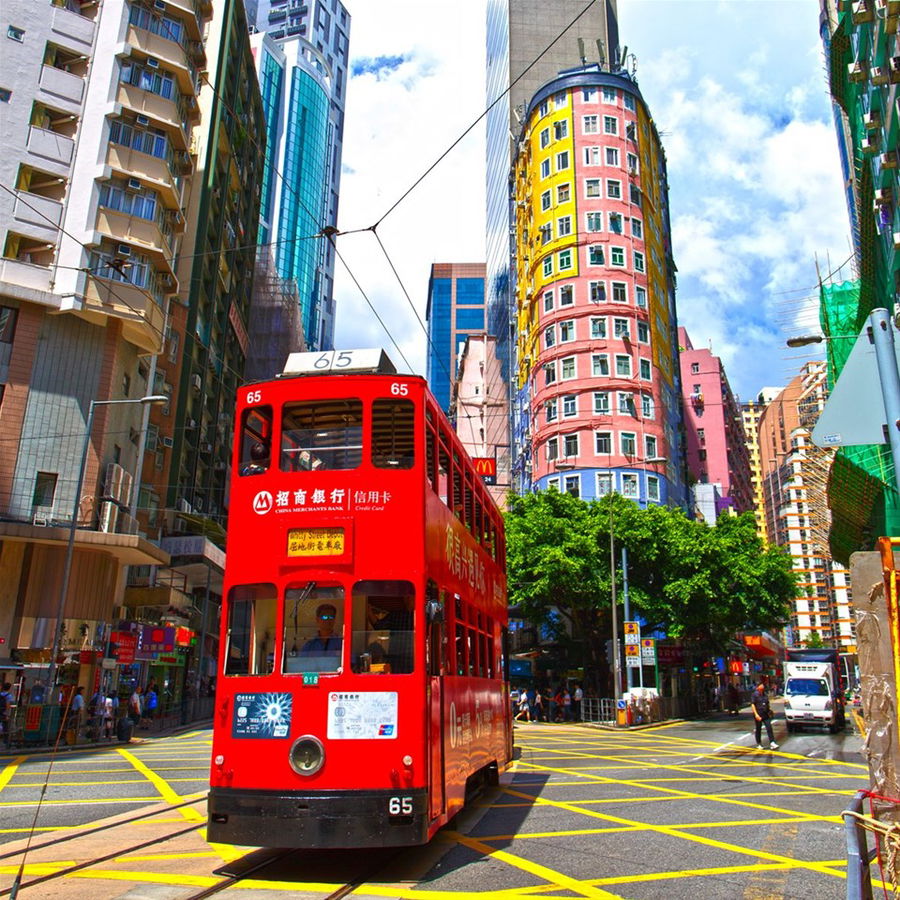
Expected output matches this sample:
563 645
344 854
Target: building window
638 261
566 295
650 447
600 365
548 266
545 201
604 484
592 187
126 384
597 291
16 34
629 485
5 95
553 483
545 168
612 156
544 108
615 223
565 260
548 301
44 489
563 192
589 94
568 368
546 233
622 329
550 336
567 331
610 95
653 488
623 366
549 373
634 193
640 297
550 408
632 162
8 317
595 255
559 99
594 221
591 125
637 229
560 129
627 443
628 101
552 449
645 370
570 445
570 406
701 435
619 292
598 328
695 368
610 125
601 403
617 257
545 138
614 189
564 228
602 442
592 156
625 403
573 485
643 330
562 161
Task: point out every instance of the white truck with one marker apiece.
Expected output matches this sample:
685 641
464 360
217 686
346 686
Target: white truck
813 694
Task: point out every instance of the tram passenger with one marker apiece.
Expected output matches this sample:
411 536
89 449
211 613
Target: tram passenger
325 643
259 460
399 622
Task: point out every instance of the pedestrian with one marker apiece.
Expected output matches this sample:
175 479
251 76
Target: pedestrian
733 699
538 713
109 715
577 697
135 706
762 713
558 701
523 715
95 714
151 702
567 705
513 701
6 702
75 710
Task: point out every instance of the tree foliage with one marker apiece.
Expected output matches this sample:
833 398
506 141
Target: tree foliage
690 579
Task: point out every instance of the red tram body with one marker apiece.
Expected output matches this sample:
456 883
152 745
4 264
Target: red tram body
360 691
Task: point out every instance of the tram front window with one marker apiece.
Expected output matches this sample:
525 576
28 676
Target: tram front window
251 630
383 627
313 627
321 434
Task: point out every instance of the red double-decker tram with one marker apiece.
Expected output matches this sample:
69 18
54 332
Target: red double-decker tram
361 694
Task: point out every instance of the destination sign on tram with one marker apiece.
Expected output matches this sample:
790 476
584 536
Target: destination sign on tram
316 542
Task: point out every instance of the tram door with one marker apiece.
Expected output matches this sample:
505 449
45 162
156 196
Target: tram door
434 653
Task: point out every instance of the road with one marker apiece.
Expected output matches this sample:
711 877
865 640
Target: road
687 809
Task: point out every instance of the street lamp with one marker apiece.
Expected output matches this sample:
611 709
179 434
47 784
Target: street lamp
76 506
612 573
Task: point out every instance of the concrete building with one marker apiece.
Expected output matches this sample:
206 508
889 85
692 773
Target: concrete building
750 413
794 477
302 67
455 310
526 47
716 444
596 354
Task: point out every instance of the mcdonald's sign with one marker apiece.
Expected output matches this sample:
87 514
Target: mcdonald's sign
485 466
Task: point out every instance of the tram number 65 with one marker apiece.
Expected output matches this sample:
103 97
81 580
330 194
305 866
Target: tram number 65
400 806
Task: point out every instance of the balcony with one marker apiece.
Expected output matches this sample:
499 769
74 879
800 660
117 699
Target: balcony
191 16
42 214
156 172
166 112
154 238
172 53
50 145
25 274
142 319
73 27
61 85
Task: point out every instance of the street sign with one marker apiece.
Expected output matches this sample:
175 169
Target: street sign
632 632
632 655
648 652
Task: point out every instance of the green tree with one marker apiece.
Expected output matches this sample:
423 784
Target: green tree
694 581
814 641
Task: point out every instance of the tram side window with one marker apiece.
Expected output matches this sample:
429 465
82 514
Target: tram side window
393 434
383 638
313 627
435 645
256 440
430 451
321 434
251 630
444 476
458 504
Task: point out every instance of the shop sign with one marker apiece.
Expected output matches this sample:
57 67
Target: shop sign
153 639
127 644
735 666
183 636
87 657
670 656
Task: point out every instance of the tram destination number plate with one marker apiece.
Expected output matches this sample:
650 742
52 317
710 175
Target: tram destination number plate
315 542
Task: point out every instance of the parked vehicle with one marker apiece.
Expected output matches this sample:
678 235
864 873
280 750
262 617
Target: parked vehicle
813 691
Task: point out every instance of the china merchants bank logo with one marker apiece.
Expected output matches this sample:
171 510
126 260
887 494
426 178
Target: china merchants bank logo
263 503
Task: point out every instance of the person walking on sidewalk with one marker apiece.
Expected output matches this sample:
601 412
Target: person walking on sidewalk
762 714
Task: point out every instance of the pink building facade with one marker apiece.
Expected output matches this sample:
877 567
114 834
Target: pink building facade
717 450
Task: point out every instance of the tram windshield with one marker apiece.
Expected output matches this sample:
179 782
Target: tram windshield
313 627
321 434
383 627
251 630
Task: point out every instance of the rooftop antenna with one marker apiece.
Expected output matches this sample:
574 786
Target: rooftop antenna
581 55
622 57
601 53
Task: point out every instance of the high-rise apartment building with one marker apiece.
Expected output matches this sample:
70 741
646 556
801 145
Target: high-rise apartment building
528 43
715 442
794 479
596 352
455 310
302 69
751 411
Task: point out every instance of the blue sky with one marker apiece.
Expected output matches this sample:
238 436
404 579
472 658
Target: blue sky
737 89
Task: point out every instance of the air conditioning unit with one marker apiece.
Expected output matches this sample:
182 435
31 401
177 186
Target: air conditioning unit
142 120
869 145
184 506
109 515
112 482
878 75
196 382
133 184
862 12
167 442
152 62
872 120
125 490
123 250
888 160
206 447
190 423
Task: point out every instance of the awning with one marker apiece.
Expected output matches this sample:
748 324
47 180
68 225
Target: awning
762 644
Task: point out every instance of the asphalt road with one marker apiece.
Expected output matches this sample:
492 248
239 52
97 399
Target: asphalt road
687 809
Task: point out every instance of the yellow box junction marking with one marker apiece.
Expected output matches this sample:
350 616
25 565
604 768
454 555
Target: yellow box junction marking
161 785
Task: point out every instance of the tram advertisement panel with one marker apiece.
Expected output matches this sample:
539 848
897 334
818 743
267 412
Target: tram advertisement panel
263 715
362 715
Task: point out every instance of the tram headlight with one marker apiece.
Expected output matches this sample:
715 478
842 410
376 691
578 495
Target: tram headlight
307 755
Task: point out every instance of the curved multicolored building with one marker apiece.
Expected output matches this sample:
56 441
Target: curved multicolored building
597 353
